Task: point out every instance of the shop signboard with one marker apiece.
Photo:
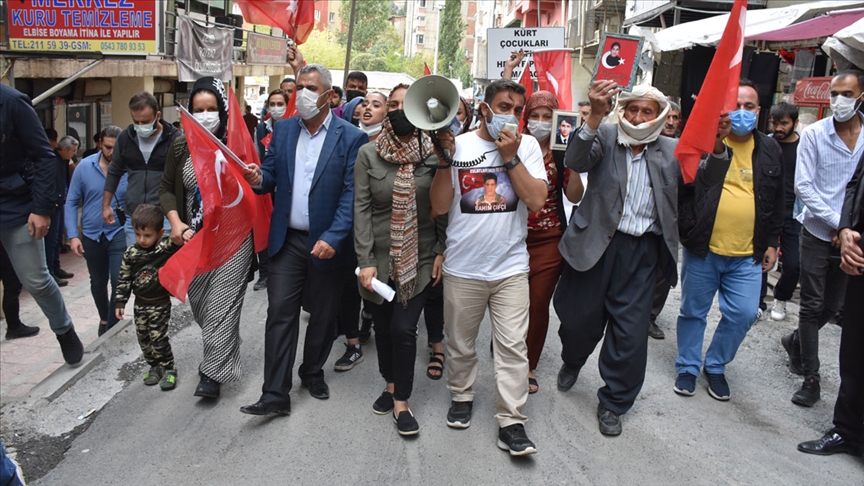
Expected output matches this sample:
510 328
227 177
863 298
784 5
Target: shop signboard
813 91
264 49
129 27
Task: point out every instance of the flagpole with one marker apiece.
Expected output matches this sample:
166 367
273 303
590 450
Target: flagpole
350 40
212 137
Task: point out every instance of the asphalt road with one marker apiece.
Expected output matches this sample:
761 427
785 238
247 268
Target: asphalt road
143 436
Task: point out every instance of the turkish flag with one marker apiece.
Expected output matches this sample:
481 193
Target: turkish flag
290 111
426 70
240 142
295 17
553 69
229 208
718 95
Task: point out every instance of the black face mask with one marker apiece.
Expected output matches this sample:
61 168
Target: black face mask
352 93
399 122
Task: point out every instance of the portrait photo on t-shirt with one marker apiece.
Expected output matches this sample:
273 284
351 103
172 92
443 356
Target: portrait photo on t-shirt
486 190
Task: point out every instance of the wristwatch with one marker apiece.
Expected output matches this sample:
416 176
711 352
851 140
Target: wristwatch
513 163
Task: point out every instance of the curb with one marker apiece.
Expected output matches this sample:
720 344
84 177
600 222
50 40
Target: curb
66 376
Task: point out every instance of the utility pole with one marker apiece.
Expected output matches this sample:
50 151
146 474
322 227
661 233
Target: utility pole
350 39
538 12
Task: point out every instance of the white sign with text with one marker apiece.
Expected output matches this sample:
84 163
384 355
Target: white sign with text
502 42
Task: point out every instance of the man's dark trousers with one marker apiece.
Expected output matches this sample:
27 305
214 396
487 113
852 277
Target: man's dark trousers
849 409
294 280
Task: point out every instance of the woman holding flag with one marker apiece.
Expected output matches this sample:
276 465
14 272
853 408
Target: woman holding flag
277 105
216 296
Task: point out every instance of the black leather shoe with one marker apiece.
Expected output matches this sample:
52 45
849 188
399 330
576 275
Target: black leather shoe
207 388
567 377
830 443
610 422
655 332
268 407
60 273
318 389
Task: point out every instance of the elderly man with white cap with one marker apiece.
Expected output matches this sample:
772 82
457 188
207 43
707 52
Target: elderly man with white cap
625 227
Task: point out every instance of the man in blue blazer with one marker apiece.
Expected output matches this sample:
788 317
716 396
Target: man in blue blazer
310 167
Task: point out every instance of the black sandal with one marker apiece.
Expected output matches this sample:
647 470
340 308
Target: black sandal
435 364
533 381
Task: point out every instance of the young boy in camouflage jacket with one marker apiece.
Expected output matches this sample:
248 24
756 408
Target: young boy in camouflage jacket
139 274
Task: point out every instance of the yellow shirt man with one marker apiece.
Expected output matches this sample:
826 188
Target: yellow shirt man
736 214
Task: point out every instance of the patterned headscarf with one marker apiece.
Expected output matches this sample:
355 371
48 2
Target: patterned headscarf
540 99
404 238
215 86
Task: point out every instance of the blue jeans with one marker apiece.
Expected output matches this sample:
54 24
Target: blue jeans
103 263
737 281
28 259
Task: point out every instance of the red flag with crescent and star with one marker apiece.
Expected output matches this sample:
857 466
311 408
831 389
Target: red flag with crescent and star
295 17
229 211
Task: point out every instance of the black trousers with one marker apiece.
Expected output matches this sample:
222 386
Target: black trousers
849 409
613 296
396 341
433 312
292 276
661 293
348 318
11 290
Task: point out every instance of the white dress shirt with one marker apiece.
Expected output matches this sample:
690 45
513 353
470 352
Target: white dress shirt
305 162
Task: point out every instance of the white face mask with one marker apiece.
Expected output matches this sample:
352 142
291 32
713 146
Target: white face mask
539 130
210 120
844 108
307 104
277 112
146 131
371 130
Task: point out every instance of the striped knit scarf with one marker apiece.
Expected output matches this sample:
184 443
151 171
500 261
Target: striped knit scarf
404 241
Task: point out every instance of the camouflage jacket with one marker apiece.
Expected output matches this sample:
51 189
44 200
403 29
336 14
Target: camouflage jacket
139 272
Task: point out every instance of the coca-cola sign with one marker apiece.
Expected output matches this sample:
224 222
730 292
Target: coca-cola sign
813 90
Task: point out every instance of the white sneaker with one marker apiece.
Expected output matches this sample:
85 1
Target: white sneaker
759 315
778 312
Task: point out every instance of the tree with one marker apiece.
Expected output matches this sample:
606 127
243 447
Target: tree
370 20
322 48
451 35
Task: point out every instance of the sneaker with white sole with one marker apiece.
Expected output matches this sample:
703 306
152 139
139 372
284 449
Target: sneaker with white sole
353 356
778 311
513 438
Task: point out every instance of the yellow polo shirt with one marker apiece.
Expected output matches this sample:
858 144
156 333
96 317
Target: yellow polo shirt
736 214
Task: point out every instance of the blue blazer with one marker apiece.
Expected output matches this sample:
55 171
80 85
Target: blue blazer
331 198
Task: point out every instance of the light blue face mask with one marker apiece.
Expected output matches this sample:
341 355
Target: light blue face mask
495 126
743 121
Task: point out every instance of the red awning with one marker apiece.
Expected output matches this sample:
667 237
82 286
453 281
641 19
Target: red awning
823 26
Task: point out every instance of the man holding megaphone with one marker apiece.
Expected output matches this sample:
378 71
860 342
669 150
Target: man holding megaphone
486 259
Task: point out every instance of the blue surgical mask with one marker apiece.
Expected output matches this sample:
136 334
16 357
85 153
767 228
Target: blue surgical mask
495 126
455 126
743 121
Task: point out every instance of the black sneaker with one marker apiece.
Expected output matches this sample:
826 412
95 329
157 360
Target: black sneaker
809 394
718 387
513 438
73 350
60 273
406 424
353 356
609 421
365 327
60 282
685 384
384 404
261 284
794 353
20 331
459 415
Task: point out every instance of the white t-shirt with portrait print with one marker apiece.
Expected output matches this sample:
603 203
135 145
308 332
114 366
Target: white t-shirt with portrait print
488 223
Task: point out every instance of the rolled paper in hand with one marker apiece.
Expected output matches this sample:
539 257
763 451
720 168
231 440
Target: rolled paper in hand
380 287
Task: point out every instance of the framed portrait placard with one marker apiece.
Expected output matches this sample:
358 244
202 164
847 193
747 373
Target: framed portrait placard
565 124
618 59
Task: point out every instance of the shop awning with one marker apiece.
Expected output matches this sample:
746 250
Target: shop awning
707 32
846 47
823 26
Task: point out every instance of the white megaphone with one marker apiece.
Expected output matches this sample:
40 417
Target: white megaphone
431 102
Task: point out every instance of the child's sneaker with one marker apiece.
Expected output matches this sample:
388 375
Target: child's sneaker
153 376
169 381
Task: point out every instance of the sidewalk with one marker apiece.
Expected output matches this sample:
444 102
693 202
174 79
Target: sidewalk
24 363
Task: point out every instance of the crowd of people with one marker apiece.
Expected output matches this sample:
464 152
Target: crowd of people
477 218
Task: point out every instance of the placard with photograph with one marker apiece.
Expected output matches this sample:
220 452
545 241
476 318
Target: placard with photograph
565 124
618 59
